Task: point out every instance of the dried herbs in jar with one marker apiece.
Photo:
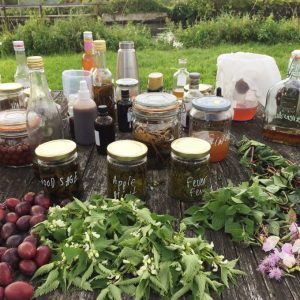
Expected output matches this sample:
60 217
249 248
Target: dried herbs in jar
189 169
59 169
126 169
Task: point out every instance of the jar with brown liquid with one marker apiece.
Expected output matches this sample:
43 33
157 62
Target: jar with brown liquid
102 79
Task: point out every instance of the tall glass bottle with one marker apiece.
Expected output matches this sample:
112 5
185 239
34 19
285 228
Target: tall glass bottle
193 93
102 79
180 79
22 74
282 110
44 122
88 61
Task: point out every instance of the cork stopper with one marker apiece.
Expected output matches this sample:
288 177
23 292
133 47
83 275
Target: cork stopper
155 81
35 62
100 45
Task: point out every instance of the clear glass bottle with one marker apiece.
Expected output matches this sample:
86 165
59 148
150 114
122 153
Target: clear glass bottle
189 169
126 169
44 122
180 79
293 54
102 79
22 73
88 60
282 110
193 93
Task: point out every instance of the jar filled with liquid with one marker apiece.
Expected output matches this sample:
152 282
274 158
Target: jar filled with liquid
126 169
11 96
211 120
188 169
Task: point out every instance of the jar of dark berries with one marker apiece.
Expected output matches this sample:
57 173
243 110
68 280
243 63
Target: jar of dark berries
11 96
14 146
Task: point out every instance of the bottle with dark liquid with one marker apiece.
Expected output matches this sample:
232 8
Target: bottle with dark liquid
124 112
155 82
102 79
88 61
282 110
104 129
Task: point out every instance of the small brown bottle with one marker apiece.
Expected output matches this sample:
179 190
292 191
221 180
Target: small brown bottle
104 129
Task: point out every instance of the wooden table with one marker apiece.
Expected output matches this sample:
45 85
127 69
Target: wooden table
15 182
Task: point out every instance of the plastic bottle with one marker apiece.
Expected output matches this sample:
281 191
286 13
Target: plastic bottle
85 113
124 112
88 60
104 129
22 73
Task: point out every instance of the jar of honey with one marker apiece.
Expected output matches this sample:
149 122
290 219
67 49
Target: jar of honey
211 120
126 169
59 170
188 169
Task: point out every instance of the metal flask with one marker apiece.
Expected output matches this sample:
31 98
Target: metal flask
126 61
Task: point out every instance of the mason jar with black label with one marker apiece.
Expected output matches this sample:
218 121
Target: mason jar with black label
189 169
126 169
59 169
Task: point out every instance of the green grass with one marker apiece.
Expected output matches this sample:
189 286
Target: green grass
151 60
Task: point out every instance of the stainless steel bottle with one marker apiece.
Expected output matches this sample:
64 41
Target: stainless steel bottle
127 66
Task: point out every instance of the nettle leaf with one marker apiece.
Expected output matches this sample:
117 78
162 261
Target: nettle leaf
115 292
101 244
156 284
88 273
182 291
141 289
71 253
201 284
45 269
274 227
192 267
46 289
131 255
103 294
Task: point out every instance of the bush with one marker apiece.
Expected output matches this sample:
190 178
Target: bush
42 37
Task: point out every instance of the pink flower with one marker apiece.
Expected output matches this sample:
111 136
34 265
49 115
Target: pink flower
270 243
263 268
293 228
275 273
288 260
287 248
296 246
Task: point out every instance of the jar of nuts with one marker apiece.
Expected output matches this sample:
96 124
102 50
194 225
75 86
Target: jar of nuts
11 96
14 146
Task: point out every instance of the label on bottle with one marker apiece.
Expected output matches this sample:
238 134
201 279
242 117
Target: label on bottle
97 138
181 80
129 116
88 45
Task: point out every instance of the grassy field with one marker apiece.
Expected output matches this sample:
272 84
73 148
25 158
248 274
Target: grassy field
151 60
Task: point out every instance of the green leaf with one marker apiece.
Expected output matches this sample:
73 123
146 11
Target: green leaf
71 253
201 283
274 227
192 266
46 289
80 204
103 294
182 291
88 273
141 290
43 270
115 292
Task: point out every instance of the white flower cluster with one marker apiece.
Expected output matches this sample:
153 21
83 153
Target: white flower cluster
53 225
148 265
169 38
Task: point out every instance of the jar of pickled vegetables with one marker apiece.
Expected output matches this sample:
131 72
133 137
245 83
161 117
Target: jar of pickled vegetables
189 169
126 169
14 144
211 120
11 96
156 122
59 169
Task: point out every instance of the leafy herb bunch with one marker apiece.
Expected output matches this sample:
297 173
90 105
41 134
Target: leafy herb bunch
253 210
120 247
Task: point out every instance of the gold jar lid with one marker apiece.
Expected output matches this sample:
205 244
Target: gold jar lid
127 150
203 88
100 45
11 87
155 81
190 147
56 150
35 62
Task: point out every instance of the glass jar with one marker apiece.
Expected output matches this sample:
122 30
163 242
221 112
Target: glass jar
156 121
189 169
126 169
211 120
130 84
59 169
11 96
14 145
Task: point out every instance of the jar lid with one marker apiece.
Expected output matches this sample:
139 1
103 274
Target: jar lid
213 104
203 87
127 82
11 87
13 121
87 35
155 102
126 45
190 147
127 150
155 81
56 150
100 45
35 62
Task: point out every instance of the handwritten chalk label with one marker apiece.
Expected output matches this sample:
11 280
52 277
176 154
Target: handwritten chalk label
122 187
195 185
54 182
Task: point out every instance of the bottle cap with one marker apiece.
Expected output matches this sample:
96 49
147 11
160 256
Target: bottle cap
88 35
125 94
211 104
35 62
100 45
127 82
84 93
194 78
190 147
18 45
126 45
155 81
102 109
